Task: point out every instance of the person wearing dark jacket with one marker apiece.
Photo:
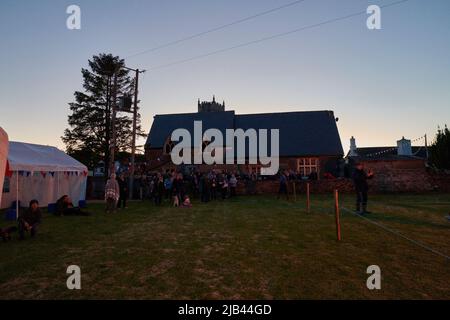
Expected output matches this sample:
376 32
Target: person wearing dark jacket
178 190
30 220
65 207
360 177
123 192
158 189
283 189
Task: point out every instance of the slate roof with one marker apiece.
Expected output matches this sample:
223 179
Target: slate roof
306 133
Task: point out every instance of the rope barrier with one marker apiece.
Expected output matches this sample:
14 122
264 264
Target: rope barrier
423 246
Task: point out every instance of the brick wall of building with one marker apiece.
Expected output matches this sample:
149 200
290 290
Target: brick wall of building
408 182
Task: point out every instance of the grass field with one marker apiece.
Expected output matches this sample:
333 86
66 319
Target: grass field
244 248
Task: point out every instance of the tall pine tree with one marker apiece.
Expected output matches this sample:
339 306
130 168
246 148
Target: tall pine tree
89 133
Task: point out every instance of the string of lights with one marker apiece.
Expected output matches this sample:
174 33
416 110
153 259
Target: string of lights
378 153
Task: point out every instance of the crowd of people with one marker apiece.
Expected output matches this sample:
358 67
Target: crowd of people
174 187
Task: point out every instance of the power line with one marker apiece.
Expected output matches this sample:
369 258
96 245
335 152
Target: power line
245 44
196 35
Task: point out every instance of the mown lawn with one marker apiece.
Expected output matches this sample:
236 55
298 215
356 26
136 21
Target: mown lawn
245 248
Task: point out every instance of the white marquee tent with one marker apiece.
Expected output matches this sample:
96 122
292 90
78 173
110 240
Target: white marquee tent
44 173
3 157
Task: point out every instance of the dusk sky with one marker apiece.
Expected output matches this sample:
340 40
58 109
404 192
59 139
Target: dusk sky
382 84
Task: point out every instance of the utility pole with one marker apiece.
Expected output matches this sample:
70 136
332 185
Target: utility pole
112 142
133 143
426 146
107 126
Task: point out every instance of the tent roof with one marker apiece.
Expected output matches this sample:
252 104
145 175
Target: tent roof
33 157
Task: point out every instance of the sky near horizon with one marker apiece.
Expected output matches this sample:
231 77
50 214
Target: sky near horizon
382 84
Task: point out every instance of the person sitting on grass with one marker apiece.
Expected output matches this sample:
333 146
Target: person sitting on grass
65 207
30 220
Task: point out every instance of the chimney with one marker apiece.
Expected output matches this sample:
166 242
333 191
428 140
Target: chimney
404 147
353 152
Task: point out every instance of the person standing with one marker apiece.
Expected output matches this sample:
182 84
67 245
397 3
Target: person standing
112 193
158 189
178 190
123 192
213 184
233 184
360 177
30 220
224 186
283 189
204 187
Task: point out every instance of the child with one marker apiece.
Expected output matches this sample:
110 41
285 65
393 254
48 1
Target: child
176 201
186 202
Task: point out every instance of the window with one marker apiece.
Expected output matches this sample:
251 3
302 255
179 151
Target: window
305 166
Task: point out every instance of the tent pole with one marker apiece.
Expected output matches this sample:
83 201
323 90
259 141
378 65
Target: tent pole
17 195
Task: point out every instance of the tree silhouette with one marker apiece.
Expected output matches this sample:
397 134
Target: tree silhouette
440 149
87 138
